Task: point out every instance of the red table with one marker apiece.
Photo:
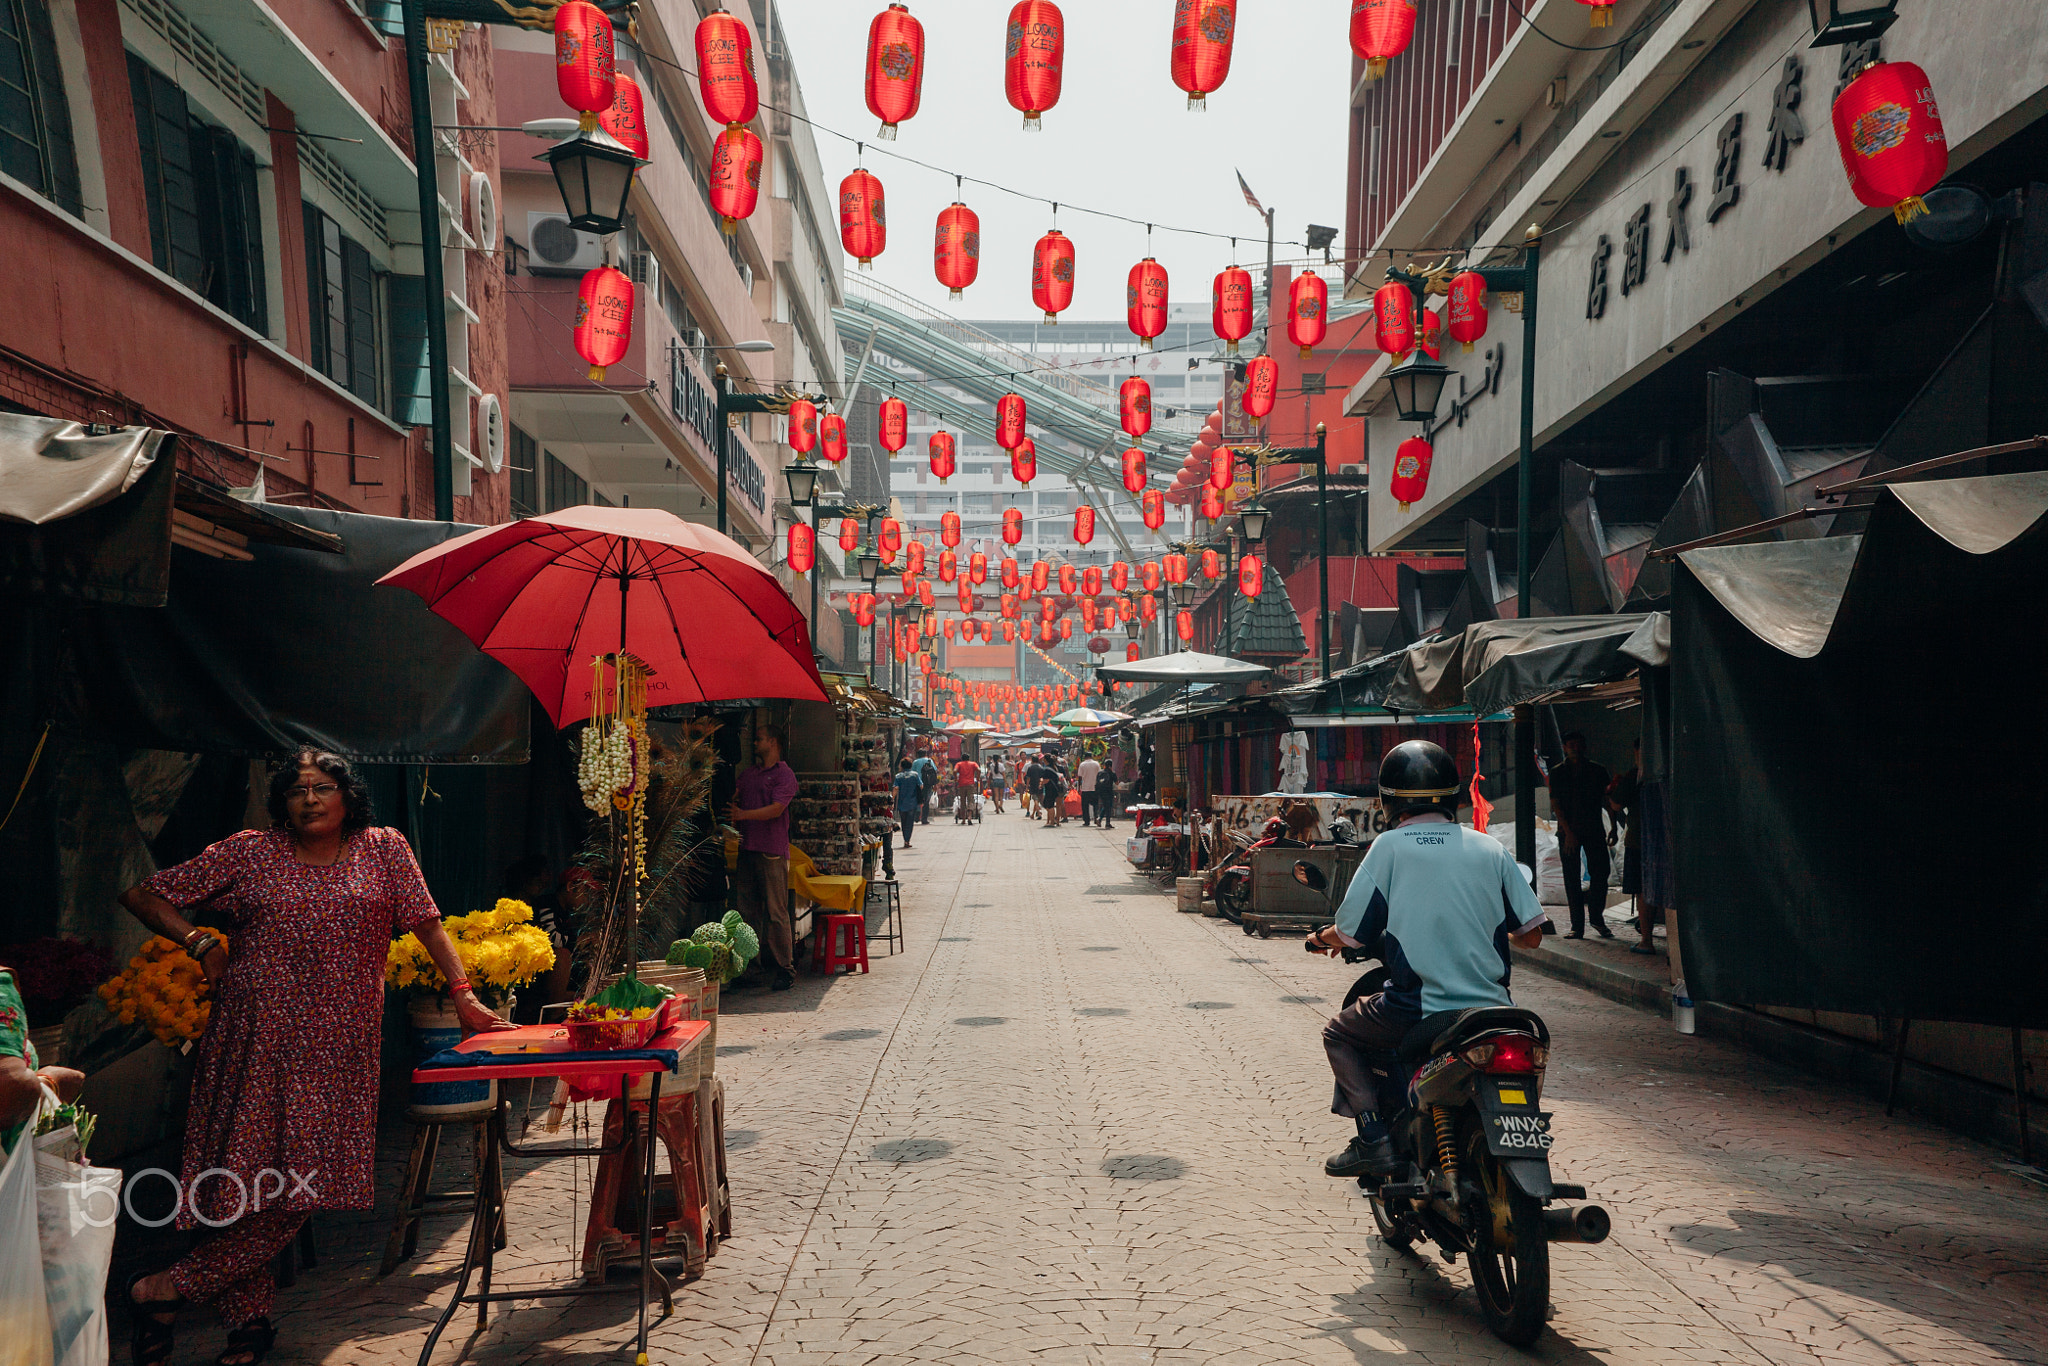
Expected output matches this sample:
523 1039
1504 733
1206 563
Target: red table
525 1053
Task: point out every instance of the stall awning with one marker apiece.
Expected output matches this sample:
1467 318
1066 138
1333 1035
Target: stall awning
1492 666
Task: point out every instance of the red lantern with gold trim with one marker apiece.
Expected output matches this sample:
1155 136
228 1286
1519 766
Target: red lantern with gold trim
892 423
948 629
803 426
863 220
1009 636
586 73
940 449
1203 32
1119 576
1088 614
1432 334
1251 575
725 69
1393 312
1184 626
1010 577
949 529
735 177
1070 580
1222 468
1467 307
849 535
832 437
1148 609
1212 565
977 567
1381 31
803 548
1013 526
890 539
1211 505
1132 654
1007 605
1889 132
1411 471
1084 525
895 68
1134 470
1308 312
623 118
604 319
1010 419
925 596
1066 629
1034 60
956 249
1601 15
1024 461
1041 575
1261 386
1231 310
1152 508
1091 581
1176 567
1046 610
913 558
949 566
1052 274
1145 299
1134 406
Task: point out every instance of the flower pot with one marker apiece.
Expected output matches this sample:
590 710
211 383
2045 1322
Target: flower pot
435 1026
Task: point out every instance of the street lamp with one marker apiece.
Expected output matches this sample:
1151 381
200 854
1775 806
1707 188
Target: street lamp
1417 385
1132 627
870 566
594 172
802 478
1836 22
1252 519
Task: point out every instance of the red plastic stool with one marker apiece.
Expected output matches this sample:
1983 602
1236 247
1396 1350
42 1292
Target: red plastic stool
827 955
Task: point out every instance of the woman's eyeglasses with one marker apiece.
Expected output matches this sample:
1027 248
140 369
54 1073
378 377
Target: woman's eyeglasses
307 793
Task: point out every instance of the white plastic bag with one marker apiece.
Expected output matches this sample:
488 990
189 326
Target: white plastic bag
24 1304
77 1206
1549 865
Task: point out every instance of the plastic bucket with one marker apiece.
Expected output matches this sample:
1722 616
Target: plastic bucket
435 1026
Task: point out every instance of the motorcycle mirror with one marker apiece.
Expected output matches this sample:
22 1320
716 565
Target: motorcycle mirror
1310 876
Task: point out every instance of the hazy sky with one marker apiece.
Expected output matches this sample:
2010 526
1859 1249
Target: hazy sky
1120 139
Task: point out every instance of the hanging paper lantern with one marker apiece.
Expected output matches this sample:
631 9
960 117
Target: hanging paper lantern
1066 629
1134 406
1084 525
1222 468
925 596
1432 334
1152 505
895 68
1308 312
1008 605
1602 13
1145 300
735 177
864 609
1091 581
586 75
1024 461
940 448
623 118
977 567
948 630
1251 575
849 535
725 69
909 579
966 594
1088 614
956 251
1176 567
1009 421
1202 34
1052 274
1131 651
1212 565
893 424
1232 311
863 221
949 566
1467 307
1150 576
913 558
1013 526
1890 135
1148 609
1125 609
1184 626
1119 576
1041 575
1010 576
1212 503
803 548
1380 32
949 528
1261 386
1034 59
604 319
1411 471
1393 311
1046 610
1134 470
1009 637
803 426
832 437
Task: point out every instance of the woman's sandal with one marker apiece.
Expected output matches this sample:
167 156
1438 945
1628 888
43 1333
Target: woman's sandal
256 1338
150 1337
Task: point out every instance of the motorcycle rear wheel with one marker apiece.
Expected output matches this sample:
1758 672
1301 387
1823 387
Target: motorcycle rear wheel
1394 1232
1512 1275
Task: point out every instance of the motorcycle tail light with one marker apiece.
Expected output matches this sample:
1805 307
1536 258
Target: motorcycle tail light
1516 1053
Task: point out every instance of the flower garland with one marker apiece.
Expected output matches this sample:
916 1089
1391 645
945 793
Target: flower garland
614 767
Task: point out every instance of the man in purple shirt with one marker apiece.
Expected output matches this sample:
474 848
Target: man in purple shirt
761 811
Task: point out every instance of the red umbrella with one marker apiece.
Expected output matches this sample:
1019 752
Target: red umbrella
546 595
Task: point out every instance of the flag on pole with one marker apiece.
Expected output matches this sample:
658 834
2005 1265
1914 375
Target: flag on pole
1249 197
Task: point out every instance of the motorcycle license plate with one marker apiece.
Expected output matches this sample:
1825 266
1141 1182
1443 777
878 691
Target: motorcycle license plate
1514 1126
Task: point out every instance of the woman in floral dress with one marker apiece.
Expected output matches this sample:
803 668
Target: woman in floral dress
284 1096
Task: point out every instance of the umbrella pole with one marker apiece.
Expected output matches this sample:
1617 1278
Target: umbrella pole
626 865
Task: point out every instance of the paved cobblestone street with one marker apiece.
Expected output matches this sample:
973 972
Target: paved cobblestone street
1071 1125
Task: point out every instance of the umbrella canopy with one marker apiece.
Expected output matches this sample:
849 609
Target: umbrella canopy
1189 666
969 727
1089 716
546 595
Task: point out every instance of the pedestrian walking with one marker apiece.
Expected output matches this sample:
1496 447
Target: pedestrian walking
1087 775
760 809
1578 797
928 774
909 797
1625 799
1055 794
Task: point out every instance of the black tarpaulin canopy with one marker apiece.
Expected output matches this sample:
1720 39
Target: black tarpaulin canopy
1840 843
1492 666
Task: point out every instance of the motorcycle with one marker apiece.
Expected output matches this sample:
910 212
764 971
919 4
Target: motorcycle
1475 1144
1231 884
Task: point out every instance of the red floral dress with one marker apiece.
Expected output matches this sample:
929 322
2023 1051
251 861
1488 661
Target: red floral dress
286 1081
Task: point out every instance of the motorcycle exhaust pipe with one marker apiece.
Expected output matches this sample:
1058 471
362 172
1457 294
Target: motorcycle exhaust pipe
1586 1224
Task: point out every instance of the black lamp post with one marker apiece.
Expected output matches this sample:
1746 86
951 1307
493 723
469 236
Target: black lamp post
1418 385
594 172
1836 22
1252 519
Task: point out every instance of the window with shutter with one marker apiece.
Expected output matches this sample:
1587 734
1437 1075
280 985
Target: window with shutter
35 122
199 188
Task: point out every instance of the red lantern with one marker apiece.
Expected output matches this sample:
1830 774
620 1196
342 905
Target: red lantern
1602 15
1222 468
949 529
832 437
1393 310
623 117
895 68
1034 59
1041 575
949 566
1212 503
1013 526
803 548
1010 577
1088 614
891 539
735 177
1432 334
849 535
1145 298
1184 626
924 592
910 579
585 72
1261 386
1132 652
913 558
1091 581
1467 307
1008 605
1009 635
1134 470
1125 609
1119 576
1052 272
1308 312
1066 629
1891 139
1134 406
893 424
1232 312
604 319
1046 610
956 251
1202 34
1084 525
725 69
966 594
948 629
1148 609
940 448
1010 421
863 221
1176 568
1024 461
977 567
1411 471
1212 565
1070 580
1152 506
803 426
1381 31
1251 576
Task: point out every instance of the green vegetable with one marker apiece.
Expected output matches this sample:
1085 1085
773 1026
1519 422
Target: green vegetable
745 943
630 993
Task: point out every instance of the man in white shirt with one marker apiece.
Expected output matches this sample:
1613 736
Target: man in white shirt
1086 774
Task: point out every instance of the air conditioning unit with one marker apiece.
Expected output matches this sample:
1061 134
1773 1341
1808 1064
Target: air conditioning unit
555 248
646 272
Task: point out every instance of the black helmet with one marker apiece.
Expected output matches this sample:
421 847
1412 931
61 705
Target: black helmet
1415 776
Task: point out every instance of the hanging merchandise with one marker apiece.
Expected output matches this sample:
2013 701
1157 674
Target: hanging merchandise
1202 34
803 548
1393 311
1010 421
1084 525
1134 406
832 437
891 539
1602 13
623 118
940 448
1212 565
1024 461
1432 334
1132 652
863 222
1467 307
1009 574
949 566
1091 581
1070 580
1891 139
1119 577
1411 471
1041 575
585 72
1145 302
803 426
1261 387
1222 468
895 68
849 535
725 69
977 567
892 423
1176 568
604 319
1034 59
1134 470
1152 505
1148 609
1251 575
1184 626
1052 274
1013 526
1231 306
1308 312
913 558
1211 505
735 177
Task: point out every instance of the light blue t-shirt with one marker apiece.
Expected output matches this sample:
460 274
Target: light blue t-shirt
1440 901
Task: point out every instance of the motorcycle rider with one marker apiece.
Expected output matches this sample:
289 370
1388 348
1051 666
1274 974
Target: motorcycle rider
1437 904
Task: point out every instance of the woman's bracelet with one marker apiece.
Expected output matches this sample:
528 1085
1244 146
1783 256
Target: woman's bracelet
197 949
462 985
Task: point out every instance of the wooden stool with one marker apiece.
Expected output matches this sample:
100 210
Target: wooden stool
885 895
827 953
614 1199
415 1194
711 1145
